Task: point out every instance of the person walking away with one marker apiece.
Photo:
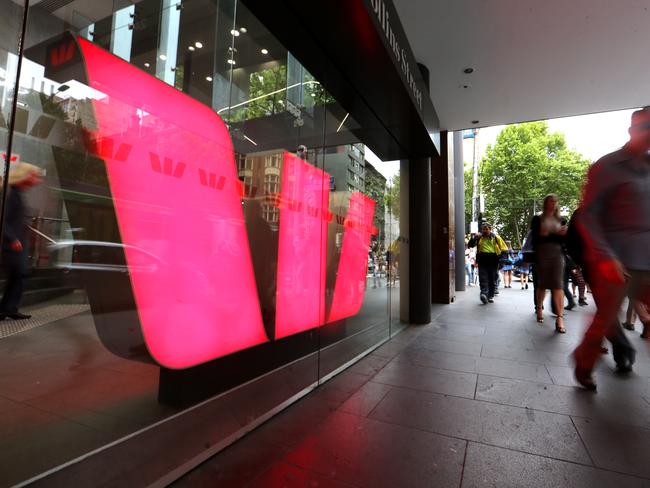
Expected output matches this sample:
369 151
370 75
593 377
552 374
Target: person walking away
614 224
469 266
524 270
22 177
489 247
548 235
508 261
569 270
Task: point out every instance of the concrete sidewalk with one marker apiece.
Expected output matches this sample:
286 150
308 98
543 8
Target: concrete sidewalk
484 396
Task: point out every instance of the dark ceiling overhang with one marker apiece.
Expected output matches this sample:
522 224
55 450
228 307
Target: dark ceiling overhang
368 67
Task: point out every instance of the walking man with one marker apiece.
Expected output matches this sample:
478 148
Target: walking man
489 247
614 224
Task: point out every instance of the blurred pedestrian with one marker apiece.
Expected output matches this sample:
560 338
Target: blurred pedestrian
548 236
508 260
489 248
22 177
614 224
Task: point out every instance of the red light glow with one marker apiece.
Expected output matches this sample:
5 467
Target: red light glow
200 302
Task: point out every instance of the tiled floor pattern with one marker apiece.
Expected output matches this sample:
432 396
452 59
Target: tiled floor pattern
484 396
41 316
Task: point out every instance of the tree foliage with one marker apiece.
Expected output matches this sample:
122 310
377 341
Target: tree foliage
526 164
392 196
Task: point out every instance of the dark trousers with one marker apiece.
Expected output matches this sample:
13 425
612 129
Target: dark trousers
567 291
609 297
487 273
16 266
533 276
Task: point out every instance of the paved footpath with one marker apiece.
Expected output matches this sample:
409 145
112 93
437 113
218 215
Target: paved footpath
484 396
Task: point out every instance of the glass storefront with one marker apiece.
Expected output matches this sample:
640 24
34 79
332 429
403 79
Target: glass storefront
206 217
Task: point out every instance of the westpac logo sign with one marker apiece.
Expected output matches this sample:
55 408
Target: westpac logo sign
176 195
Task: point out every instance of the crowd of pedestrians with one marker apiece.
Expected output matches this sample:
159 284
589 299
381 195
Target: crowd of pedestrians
604 248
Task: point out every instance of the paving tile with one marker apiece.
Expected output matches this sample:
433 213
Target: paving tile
441 360
630 408
233 467
365 399
616 447
514 353
341 387
427 379
489 466
443 345
293 424
369 365
355 450
527 430
286 475
513 369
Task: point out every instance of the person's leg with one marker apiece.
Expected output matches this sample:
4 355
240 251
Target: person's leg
483 278
493 275
567 294
540 294
557 295
630 314
641 300
16 268
608 297
579 277
533 273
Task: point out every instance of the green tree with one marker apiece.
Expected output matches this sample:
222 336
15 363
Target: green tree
392 196
527 163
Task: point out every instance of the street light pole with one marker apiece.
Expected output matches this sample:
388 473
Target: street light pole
475 207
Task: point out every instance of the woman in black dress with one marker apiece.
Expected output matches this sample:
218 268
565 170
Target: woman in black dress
548 238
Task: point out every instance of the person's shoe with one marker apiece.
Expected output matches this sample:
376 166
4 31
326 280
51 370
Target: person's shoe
583 376
484 299
622 351
18 316
496 292
582 302
526 286
570 306
628 326
491 300
646 332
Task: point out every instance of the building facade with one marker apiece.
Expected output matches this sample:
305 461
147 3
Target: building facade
198 250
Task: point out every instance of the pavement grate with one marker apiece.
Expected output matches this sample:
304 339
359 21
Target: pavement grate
41 316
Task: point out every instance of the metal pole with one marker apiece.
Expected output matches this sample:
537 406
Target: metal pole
475 209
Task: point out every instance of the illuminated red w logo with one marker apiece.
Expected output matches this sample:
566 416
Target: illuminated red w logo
61 54
201 301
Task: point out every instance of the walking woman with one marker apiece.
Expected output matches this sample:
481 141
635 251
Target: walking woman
508 260
548 237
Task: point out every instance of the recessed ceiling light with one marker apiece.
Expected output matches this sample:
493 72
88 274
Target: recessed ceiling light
242 30
191 48
198 44
209 78
146 65
264 51
163 57
468 71
234 32
231 61
475 122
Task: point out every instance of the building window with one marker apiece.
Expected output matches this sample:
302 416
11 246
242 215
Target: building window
271 184
273 161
